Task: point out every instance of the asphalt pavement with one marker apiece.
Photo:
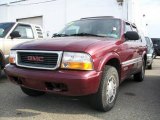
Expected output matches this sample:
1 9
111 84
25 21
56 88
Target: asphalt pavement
136 101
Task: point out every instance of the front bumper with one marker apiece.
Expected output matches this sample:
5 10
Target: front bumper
65 82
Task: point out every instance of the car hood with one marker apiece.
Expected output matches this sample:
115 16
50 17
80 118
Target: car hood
63 44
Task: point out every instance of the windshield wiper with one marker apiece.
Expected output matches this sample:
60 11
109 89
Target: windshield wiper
86 34
79 34
59 35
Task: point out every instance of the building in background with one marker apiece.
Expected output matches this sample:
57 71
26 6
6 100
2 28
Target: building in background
52 15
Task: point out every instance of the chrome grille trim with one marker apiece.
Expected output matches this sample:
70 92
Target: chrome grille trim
37 51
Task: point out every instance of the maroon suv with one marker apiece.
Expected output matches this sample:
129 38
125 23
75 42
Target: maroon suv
89 57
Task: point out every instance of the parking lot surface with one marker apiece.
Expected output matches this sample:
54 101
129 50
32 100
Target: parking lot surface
136 101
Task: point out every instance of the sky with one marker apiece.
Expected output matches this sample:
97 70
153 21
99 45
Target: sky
151 10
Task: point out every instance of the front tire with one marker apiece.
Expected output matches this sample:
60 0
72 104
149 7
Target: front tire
155 55
106 96
150 67
31 92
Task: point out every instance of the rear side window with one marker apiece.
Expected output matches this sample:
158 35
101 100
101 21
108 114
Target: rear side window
25 31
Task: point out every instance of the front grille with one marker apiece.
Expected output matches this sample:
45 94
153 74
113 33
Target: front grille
38 59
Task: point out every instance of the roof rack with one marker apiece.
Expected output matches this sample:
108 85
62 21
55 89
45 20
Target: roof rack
98 17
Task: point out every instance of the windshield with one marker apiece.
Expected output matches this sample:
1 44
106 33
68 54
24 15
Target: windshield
4 28
156 41
92 27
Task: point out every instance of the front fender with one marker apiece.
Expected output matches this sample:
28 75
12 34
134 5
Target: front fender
107 58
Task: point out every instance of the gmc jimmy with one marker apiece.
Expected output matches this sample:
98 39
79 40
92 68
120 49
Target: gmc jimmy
89 57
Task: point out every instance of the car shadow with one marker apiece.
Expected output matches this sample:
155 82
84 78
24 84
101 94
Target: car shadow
3 77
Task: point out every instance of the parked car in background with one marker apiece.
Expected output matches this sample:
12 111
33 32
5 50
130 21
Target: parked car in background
89 57
156 44
2 61
150 52
13 33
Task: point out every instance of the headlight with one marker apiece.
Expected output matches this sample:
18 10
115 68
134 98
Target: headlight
78 61
12 56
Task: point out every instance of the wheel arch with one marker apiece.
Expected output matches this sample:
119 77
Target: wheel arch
111 59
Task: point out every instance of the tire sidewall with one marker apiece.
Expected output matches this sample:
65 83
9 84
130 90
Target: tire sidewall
143 70
109 71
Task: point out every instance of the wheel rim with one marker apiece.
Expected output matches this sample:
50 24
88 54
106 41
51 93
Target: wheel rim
111 89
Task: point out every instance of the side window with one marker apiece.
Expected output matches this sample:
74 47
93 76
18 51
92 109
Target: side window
141 38
25 31
134 29
128 27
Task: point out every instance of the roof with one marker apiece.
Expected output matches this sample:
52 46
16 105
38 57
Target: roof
22 23
98 17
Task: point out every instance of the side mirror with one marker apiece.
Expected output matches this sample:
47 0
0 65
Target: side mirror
132 35
15 34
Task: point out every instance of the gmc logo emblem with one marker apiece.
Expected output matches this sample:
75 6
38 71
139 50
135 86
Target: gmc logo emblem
35 58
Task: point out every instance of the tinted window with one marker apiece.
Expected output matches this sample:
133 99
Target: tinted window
25 31
99 27
156 41
4 28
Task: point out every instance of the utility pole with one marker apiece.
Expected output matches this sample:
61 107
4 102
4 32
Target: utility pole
65 12
127 9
